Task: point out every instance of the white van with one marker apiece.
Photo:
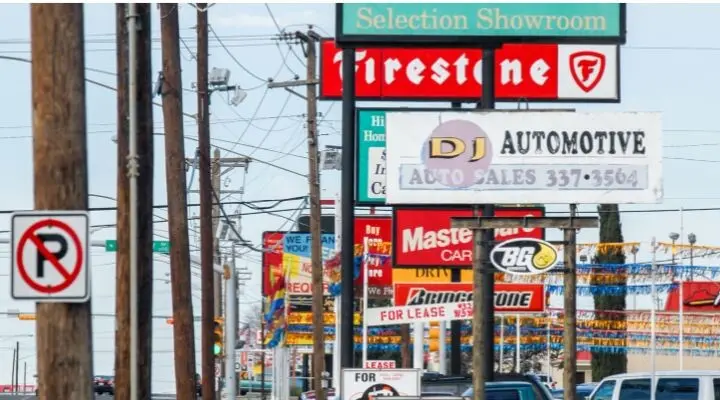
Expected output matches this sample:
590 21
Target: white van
669 385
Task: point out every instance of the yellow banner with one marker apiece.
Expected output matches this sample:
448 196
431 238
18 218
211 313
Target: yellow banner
428 275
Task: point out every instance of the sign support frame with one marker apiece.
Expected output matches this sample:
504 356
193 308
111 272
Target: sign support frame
569 226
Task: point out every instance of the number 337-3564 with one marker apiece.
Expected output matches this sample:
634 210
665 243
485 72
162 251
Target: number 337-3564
596 177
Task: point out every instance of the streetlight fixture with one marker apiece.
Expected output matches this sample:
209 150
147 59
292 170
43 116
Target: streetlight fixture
674 236
692 239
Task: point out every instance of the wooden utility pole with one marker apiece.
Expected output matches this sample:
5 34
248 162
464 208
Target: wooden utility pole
569 226
64 330
145 201
207 248
570 303
309 40
177 205
318 291
122 256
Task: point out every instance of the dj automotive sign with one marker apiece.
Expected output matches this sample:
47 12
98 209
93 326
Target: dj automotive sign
530 157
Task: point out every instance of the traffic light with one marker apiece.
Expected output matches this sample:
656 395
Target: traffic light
218 336
434 336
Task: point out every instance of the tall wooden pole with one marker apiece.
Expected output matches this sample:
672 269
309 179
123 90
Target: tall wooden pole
146 160
122 256
145 147
183 334
570 303
64 331
206 200
315 216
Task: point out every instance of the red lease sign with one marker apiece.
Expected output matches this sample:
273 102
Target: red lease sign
509 297
380 364
376 230
423 237
524 72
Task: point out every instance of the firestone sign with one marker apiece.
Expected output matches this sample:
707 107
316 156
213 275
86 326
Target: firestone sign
531 157
508 297
442 23
525 72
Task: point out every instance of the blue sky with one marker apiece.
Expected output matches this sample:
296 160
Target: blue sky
669 64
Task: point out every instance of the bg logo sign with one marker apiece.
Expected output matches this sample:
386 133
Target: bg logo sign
524 256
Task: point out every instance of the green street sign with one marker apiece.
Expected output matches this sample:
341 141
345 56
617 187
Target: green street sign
111 245
370 159
427 24
159 246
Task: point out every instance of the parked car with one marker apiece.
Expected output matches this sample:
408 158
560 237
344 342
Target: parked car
583 390
104 384
460 384
547 380
669 385
508 391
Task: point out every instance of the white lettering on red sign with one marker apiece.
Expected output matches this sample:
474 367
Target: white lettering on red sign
424 236
523 71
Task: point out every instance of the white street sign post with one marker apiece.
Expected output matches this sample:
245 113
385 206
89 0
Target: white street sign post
50 256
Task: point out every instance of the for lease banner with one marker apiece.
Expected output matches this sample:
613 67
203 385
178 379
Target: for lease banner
471 157
379 316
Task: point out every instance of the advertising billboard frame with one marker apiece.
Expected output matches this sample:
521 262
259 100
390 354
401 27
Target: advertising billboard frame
519 99
588 191
380 39
451 207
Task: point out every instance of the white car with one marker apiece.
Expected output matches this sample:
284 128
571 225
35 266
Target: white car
669 385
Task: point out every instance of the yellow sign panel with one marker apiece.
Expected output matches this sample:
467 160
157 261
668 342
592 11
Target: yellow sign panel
26 317
428 275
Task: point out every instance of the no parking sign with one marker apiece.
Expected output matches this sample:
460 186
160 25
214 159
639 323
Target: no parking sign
50 256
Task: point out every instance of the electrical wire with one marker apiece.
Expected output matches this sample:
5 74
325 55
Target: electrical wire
272 127
232 56
281 31
252 118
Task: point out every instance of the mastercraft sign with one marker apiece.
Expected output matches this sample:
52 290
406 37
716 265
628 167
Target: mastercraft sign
457 23
471 157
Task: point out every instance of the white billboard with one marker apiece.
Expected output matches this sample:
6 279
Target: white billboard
473 157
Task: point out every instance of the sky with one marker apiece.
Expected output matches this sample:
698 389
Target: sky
668 65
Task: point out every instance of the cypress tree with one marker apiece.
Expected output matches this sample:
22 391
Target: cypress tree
609 363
